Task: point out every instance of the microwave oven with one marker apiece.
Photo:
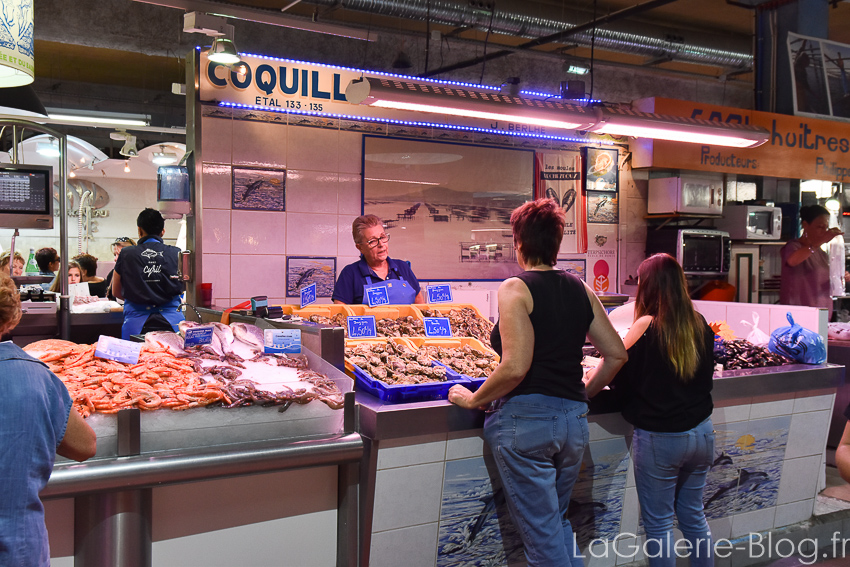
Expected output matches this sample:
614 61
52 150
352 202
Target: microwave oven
685 194
751 222
699 251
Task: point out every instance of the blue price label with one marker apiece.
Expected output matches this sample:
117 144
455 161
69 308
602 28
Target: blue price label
362 327
118 350
378 295
437 327
441 293
287 341
308 295
198 336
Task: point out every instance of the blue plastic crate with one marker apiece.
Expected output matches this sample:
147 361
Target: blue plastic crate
407 392
472 383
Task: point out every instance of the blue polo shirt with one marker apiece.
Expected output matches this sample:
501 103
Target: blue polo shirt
352 278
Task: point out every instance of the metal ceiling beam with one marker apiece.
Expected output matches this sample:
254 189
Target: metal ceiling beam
618 15
259 15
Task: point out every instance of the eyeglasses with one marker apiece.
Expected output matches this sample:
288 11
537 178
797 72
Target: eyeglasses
122 239
374 242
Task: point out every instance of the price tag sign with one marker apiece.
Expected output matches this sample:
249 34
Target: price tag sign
441 293
362 327
437 327
118 350
378 295
198 336
308 295
287 341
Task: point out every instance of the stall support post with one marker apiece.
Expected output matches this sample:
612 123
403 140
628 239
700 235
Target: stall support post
114 528
348 488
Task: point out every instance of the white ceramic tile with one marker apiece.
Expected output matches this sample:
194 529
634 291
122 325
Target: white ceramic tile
771 409
462 445
793 513
343 261
311 191
316 149
601 554
814 403
630 550
407 496
350 195
711 310
345 240
216 270
629 521
216 139
216 231
799 479
630 473
730 414
259 144
412 547
721 528
217 187
257 275
752 522
746 313
607 426
350 152
807 435
258 232
804 316
311 234
412 451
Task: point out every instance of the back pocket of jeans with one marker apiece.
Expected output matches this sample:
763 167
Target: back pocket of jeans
534 435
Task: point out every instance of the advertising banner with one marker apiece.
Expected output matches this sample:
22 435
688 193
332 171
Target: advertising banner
798 148
602 257
560 179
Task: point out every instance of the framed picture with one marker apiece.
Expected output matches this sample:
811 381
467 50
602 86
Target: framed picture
302 271
602 207
575 266
600 169
447 205
258 189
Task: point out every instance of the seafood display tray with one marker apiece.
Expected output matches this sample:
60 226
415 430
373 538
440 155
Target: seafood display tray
408 392
474 383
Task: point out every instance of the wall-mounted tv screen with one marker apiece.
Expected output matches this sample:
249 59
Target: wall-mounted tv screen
26 196
172 183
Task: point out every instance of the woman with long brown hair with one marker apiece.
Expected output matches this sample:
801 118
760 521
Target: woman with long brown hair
665 389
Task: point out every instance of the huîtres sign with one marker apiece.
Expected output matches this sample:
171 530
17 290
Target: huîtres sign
286 85
798 148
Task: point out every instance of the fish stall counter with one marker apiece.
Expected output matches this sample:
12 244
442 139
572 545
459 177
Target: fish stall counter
40 321
430 493
274 479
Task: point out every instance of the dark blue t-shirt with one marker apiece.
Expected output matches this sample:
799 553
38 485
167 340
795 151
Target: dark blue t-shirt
352 278
148 272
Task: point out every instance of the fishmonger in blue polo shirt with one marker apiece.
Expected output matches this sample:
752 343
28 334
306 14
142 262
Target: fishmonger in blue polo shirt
375 267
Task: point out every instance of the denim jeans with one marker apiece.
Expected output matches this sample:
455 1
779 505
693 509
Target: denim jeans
538 442
670 472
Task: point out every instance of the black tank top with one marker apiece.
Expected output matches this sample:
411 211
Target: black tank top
560 317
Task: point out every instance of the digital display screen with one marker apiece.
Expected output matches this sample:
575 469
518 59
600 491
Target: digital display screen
172 183
23 192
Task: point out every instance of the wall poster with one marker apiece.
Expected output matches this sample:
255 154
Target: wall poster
602 257
447 206
559 179
302 271
601 171
602 207
259 189
575 266
819 69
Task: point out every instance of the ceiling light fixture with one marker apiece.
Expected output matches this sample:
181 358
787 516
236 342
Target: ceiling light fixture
126 166
223 49
99 117
48 149
163 157
627 122
129 147
439 99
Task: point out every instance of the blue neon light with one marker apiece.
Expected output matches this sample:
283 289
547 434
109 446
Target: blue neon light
413 123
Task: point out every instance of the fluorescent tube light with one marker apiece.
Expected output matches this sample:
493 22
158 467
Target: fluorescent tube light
439 99
97 117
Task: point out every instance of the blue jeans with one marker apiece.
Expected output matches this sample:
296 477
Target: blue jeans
670 472
538 442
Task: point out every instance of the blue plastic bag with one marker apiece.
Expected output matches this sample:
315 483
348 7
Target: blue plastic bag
798 343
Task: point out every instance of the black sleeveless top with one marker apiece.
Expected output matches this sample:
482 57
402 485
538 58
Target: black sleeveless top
561 316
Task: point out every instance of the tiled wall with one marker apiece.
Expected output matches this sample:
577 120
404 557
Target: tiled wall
770 317
437 501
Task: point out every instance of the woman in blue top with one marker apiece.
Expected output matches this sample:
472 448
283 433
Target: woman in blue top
665 391
375 269
537 428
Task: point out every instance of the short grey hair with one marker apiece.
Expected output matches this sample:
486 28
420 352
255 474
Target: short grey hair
363 222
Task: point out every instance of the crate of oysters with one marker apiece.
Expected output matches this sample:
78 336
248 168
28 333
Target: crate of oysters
465 320
465 355
391 370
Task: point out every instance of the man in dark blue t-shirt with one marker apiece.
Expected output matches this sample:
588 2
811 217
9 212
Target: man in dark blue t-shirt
146 278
